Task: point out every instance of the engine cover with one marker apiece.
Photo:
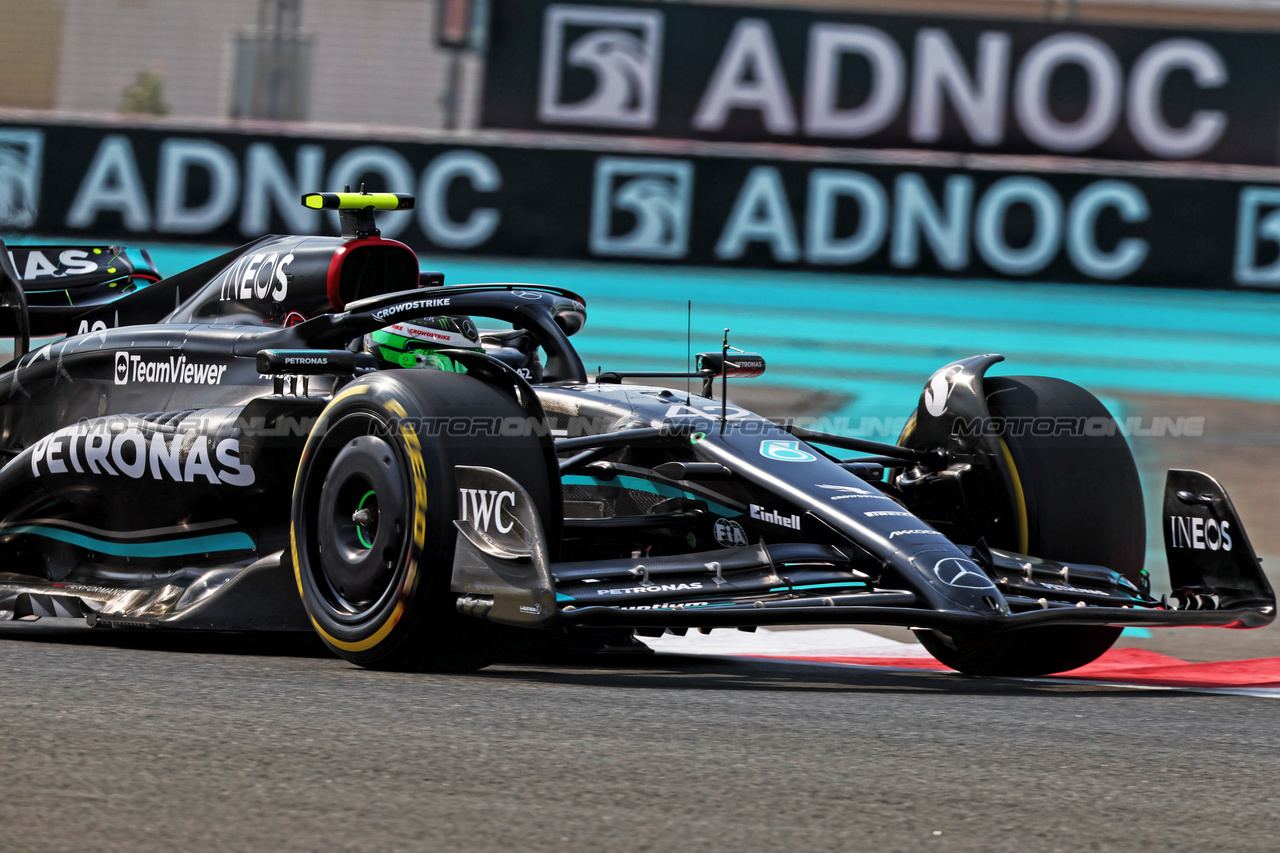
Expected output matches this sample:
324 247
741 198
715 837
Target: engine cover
301 275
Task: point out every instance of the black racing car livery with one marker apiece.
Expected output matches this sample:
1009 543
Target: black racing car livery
64 281
220 450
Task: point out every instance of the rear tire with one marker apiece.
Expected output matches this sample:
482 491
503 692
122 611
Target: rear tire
1083 503
373 510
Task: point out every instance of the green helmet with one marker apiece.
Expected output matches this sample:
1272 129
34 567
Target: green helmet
415 344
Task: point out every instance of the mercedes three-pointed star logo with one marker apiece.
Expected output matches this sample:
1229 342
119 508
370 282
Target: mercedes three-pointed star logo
955 571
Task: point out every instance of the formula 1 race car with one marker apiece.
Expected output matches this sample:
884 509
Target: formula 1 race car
249 445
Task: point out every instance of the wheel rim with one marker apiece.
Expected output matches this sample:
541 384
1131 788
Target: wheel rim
359 510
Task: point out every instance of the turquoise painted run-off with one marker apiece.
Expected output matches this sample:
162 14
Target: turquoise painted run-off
879 339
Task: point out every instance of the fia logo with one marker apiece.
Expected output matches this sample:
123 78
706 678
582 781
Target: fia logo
640 207
600 66
20 153
729 533
122 368
1257 261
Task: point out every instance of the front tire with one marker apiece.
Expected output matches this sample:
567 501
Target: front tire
1076 498
373 509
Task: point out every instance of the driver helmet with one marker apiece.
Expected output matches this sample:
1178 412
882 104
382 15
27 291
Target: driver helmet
416 344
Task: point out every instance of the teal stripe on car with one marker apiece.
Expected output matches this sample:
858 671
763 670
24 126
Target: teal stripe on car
817 586
217 542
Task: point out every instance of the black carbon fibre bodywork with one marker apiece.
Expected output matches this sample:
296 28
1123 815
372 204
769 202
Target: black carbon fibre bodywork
149 468
886 564
62 282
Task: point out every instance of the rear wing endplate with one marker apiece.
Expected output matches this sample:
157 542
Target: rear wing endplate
1212 564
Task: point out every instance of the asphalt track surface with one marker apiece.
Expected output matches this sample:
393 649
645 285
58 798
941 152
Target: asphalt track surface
143 741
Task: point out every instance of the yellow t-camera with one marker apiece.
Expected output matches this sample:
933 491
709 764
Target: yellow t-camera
357 201
355 210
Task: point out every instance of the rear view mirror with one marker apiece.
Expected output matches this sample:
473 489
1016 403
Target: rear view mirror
735 365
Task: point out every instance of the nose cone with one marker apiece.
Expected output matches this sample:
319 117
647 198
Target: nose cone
951 580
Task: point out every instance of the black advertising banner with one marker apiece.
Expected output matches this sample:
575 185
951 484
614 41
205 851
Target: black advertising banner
750 74
92 182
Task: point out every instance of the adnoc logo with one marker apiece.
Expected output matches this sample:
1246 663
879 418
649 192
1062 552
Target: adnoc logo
620 48
654 197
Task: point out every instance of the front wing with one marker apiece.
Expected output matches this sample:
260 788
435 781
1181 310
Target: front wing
505 575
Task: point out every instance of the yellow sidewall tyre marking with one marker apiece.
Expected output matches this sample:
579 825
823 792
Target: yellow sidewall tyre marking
364 645
1019 500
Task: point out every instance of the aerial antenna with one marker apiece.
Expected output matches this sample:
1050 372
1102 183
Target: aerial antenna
146 256
724 380
688 352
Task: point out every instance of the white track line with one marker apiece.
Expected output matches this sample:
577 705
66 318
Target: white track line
816 642
765 646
